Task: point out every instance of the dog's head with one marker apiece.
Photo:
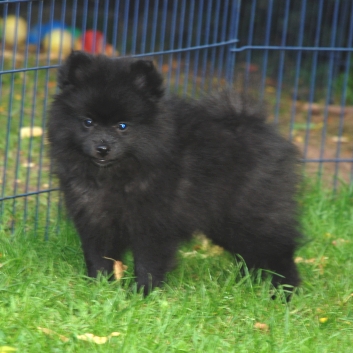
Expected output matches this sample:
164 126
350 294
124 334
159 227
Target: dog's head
107 107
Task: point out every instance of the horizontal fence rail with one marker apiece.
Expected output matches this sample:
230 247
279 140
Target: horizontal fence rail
296 48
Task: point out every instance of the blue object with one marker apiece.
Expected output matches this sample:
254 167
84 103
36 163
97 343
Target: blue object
39 31
288 52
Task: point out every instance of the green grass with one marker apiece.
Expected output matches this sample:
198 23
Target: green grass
206 306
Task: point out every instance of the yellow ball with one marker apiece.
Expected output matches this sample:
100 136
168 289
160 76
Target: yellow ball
58 41
15 30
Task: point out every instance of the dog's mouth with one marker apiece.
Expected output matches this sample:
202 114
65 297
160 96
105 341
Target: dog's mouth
100 162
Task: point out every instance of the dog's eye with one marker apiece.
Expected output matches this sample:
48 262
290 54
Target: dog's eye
88 122
122 126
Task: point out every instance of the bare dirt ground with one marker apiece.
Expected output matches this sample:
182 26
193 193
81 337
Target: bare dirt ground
326 133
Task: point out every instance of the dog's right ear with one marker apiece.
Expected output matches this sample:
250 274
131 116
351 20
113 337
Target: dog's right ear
74 68
146 78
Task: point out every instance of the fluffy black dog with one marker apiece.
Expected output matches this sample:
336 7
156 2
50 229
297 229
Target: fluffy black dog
143 171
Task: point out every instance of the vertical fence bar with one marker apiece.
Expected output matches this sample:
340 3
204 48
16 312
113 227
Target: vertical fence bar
297 67
222 39
207 41
250 42
95 27
73 21
115 26
212 64
30 149
144 26
197 43
171 43
154 26
34 104
162 31
281 61
84 22
343 97
313 79
329 85
8 125
180 44
134 27
45 102
105 24
232 35
267 42
342 27
125 28
188 44
62 21
16 179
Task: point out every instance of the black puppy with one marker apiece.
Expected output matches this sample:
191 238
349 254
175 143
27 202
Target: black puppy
143 171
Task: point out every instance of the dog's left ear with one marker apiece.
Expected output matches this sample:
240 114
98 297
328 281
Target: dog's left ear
73 70
147 78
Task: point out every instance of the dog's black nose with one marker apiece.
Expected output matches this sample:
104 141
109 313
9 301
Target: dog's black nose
103 150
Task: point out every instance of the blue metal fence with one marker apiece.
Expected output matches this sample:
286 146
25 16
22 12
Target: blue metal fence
294 54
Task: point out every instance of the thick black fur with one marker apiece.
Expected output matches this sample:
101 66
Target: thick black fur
181 165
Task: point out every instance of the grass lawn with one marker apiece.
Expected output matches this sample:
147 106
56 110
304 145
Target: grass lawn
48 305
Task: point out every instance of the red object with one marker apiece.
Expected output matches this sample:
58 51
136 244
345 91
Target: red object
93 41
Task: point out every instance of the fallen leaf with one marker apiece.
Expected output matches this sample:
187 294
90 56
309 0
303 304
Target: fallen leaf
52 84
28 165
206 246
109 50
261 326
188 253
299 139
49 332
313 260
298 260
31 131
90 337
339 241
313 108
320 263
209 247
215 250
341 139
270 89
6 349
165 68
118 268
